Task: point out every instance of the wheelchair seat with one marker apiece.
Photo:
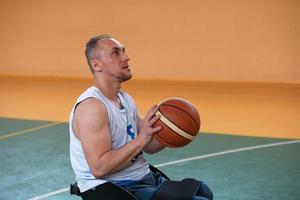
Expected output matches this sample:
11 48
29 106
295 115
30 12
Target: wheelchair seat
107 191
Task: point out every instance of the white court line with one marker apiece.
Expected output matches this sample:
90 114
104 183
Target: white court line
227 152
50 194
188 159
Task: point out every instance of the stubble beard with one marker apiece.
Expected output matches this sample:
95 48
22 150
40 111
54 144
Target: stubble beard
125 77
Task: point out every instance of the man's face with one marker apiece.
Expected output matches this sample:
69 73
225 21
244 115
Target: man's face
114 60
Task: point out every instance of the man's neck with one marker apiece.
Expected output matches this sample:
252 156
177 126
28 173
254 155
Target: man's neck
110 90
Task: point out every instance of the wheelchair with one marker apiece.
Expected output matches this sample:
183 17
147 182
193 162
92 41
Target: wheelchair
112 191
169 190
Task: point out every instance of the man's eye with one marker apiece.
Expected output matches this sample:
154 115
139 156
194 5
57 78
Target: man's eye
116 53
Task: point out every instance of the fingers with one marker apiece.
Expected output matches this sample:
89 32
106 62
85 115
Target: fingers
150 119
155 129
151 112
154 119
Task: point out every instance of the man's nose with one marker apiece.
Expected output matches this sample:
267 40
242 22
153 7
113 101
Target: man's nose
125 57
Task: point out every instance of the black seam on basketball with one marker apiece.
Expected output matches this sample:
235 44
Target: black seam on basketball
175 132
165 141
165 104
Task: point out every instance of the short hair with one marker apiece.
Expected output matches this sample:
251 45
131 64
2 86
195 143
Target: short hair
91 46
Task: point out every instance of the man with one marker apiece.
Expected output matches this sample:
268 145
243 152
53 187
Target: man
106 134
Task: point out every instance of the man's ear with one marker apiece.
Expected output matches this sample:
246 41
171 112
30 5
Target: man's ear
96 65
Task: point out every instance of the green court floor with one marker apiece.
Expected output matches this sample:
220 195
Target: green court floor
35 163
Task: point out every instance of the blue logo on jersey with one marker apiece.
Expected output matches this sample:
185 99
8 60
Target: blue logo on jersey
130 131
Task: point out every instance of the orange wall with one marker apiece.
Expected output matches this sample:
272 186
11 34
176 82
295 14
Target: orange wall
234 40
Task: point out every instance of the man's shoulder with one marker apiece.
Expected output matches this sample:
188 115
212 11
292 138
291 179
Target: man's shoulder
90 106
91 92
88 92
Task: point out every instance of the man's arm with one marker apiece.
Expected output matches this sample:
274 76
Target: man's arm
91 126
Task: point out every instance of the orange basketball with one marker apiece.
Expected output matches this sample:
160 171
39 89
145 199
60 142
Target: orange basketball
180 122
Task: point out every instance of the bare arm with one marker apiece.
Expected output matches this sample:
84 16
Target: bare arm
92 128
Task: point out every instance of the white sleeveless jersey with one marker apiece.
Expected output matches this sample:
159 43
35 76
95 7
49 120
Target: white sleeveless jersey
123 128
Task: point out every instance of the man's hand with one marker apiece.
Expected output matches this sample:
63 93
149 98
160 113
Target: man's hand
145 126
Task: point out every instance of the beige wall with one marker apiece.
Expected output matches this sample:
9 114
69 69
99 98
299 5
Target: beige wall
233 40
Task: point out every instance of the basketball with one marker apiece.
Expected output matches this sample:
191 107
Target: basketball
180 122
